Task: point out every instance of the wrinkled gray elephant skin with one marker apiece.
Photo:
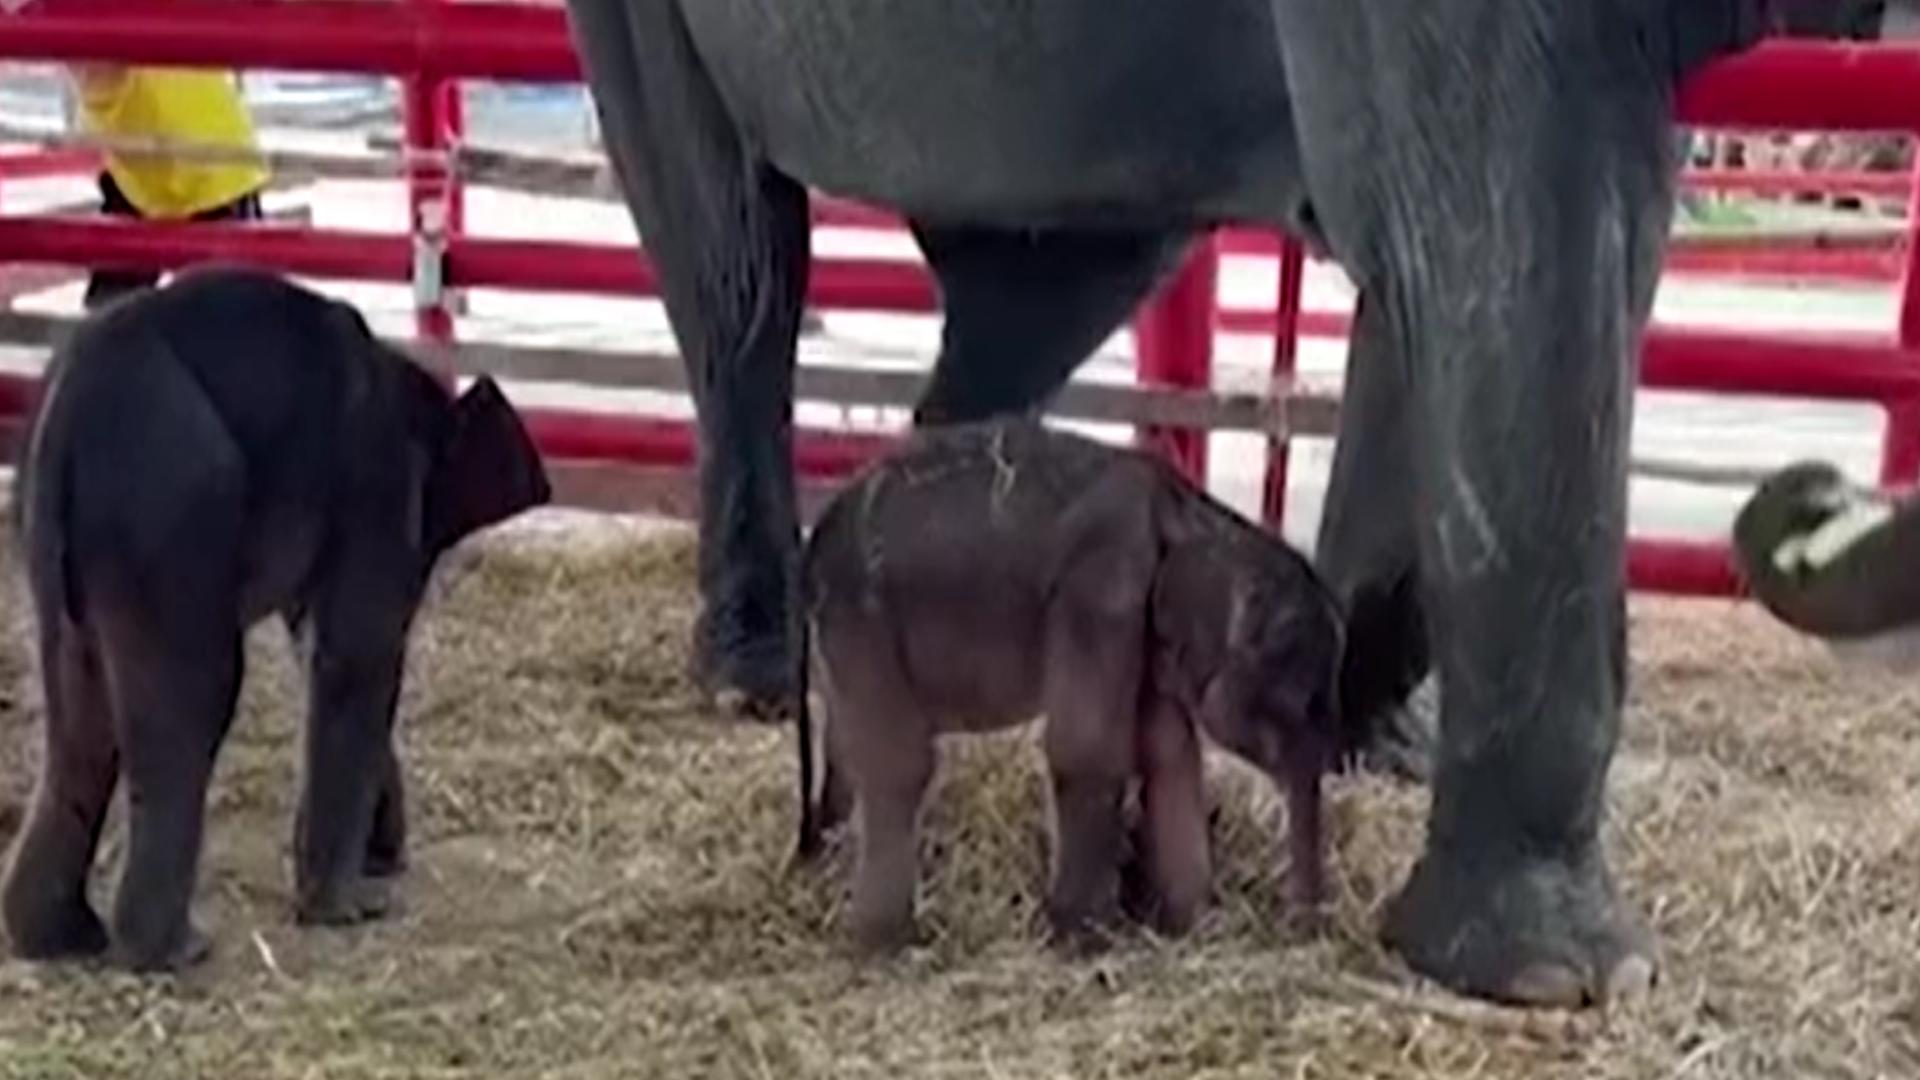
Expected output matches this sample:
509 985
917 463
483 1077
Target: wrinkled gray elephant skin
1496 175
226 448
990 573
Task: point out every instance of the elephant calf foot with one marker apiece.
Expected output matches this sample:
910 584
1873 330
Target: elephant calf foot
1146 898
751 684
346 905
190 948
382 865
55 930
884 935
1535 933
1138 900
1080 926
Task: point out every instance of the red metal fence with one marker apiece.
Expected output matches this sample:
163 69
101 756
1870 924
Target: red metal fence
431 45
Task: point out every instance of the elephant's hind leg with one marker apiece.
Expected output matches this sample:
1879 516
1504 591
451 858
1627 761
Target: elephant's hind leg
729 237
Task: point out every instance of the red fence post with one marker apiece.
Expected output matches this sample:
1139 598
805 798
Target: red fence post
1173 346
1286 357
434 207
1900 452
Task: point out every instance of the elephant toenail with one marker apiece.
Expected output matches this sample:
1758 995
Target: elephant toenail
1549 984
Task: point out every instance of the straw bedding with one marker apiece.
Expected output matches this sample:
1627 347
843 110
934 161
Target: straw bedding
600 882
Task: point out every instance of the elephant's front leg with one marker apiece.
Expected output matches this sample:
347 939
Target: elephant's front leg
354 673
1501 177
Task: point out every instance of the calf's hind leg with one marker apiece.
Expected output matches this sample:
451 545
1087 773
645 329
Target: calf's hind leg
1175 844
1090 753
45 897
174 695
888 761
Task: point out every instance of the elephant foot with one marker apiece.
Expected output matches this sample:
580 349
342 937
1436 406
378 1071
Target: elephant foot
382 865
1405 737
1141 899
878 937
1530 932
192 950
750 684
63 932
1083 924
733 703
1081 935
362 901
1087 941
1138 900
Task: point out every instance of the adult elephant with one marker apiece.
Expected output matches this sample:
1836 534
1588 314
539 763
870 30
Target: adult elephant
1497 176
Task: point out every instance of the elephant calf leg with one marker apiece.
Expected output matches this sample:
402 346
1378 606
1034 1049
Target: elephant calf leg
387 843
45 896
1086 858
174 702
348 755
1173 840
1091 759
888 769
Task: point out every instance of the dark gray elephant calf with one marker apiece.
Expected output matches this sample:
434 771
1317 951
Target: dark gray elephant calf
229 447
991 573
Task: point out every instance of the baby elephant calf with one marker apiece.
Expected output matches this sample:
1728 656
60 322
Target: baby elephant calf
995 572
205 455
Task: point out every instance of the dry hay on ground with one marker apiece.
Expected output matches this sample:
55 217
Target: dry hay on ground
600 889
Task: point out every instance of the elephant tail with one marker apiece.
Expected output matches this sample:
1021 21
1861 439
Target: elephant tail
809 844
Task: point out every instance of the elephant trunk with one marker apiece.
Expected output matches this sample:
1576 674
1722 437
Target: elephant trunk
1828 560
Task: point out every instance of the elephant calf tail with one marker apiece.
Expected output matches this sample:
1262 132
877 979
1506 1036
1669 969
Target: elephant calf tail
809 845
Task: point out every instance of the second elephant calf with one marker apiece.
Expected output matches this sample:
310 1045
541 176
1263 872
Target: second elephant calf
990 573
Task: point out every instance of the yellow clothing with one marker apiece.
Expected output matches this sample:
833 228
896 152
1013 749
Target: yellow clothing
188 104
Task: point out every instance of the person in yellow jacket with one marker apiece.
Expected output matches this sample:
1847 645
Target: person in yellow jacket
193 105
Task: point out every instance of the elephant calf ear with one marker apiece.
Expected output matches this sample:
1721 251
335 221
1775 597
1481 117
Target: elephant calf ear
488 470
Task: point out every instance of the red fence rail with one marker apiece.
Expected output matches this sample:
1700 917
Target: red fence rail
1781 85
